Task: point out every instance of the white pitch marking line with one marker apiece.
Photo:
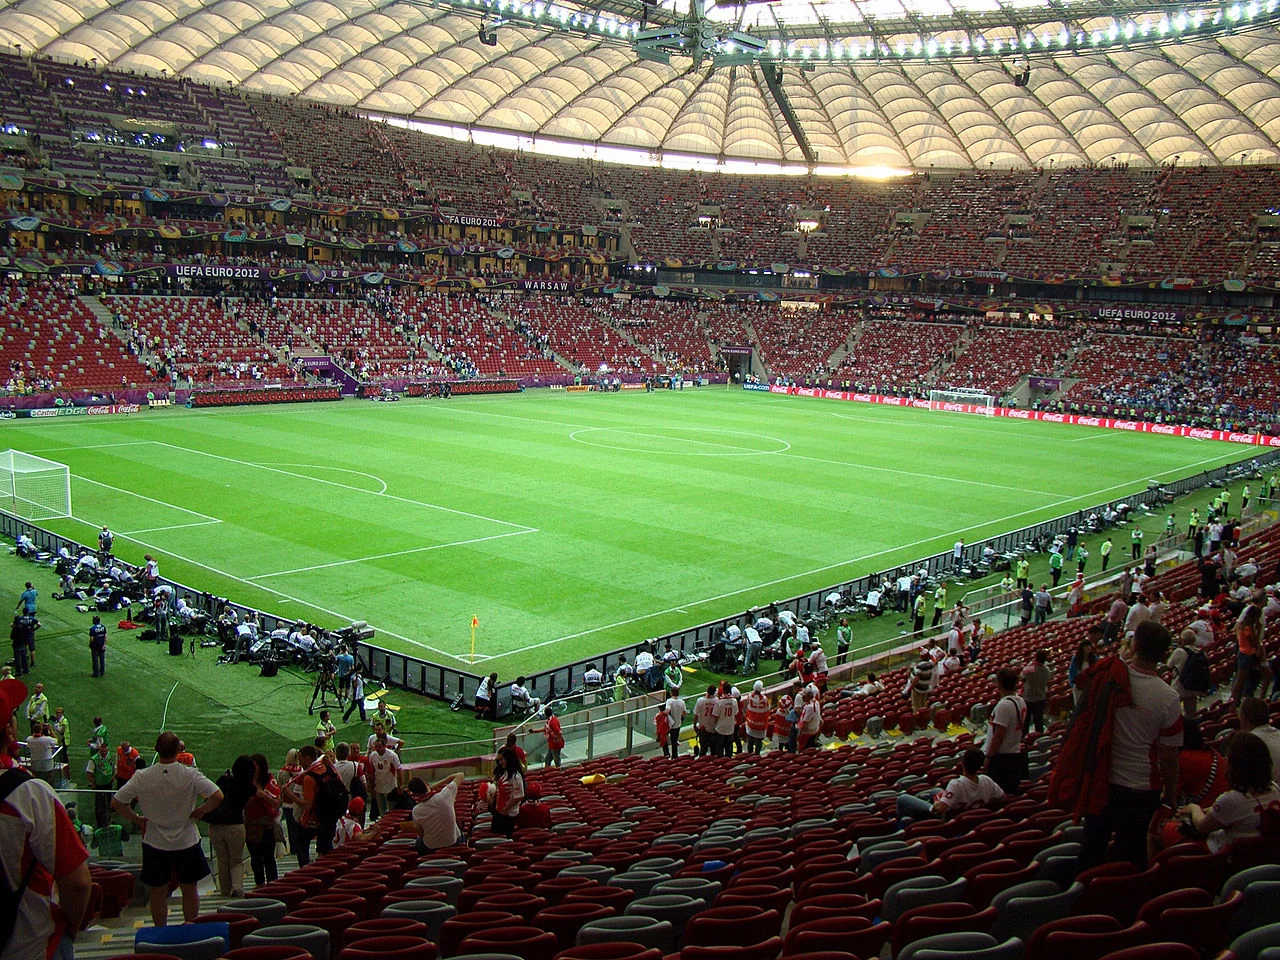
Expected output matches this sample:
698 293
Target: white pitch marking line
283 596
93 446
852 560
176 526
1099 436
347 486
323 466
397 553
134 493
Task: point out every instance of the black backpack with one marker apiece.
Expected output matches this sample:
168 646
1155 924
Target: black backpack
11 897
332 797
1195 672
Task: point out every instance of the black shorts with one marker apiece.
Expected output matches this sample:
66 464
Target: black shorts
160 867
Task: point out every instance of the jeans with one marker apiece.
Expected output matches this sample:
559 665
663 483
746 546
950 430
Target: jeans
262 858
1036 710
99 661
672 748
752 660
323 836
21 660
1042 614
1126 816
754 744
912 807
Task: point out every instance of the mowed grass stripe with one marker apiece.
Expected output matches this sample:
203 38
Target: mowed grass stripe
679 529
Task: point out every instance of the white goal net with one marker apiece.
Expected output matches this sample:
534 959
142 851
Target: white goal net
963 400
34 488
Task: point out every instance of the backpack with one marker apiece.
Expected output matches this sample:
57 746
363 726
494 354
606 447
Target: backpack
332 797
11 897
1195 672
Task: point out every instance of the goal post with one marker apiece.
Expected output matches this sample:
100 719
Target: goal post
34 488
963 400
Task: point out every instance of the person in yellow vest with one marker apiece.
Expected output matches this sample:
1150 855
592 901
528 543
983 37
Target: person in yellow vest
325 731
1244 499
939 602
1104 551
1024 571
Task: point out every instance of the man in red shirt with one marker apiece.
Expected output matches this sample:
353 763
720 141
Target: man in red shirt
533 812
38 845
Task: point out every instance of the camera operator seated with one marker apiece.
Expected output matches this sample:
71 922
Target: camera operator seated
523 703
64 563
874 603
644 667
87 567
121 573
26 546
185 613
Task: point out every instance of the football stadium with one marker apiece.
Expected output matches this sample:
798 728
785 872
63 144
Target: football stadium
633 480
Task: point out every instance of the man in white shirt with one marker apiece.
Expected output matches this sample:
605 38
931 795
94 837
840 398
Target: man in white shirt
951 663
385 766
1004 738
871 687
726 719
1138 613
393 742
676 711
1203 631
974 789
644 668
1145 739
168 796
1255 718
434 816
817 659
802 633
704 722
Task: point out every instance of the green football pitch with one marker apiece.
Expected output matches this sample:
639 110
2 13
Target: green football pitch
568 524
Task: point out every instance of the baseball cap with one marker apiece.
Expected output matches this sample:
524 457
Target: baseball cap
533 791
13 693
356 806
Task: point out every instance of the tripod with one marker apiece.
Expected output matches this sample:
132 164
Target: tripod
325 685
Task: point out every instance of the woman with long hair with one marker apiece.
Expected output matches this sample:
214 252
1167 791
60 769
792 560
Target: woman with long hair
227 827
1086 656
292 767
1248 652
261 823
1237 814
507 792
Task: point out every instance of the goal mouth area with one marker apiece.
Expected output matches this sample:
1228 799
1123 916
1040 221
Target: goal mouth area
34 488
963 400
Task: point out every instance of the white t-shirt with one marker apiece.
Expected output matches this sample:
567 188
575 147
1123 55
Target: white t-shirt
704 713
1271 737
726 714
393 743
1010 713
1239 815
41 750
962 793
166 795
644 660
1153 719
435 818
1138 613
385 766
346 770
818 661
1203 632
676 711
344 830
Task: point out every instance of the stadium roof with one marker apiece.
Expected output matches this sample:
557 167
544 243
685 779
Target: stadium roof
892 83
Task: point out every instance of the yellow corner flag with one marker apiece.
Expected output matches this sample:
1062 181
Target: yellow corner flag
475 622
